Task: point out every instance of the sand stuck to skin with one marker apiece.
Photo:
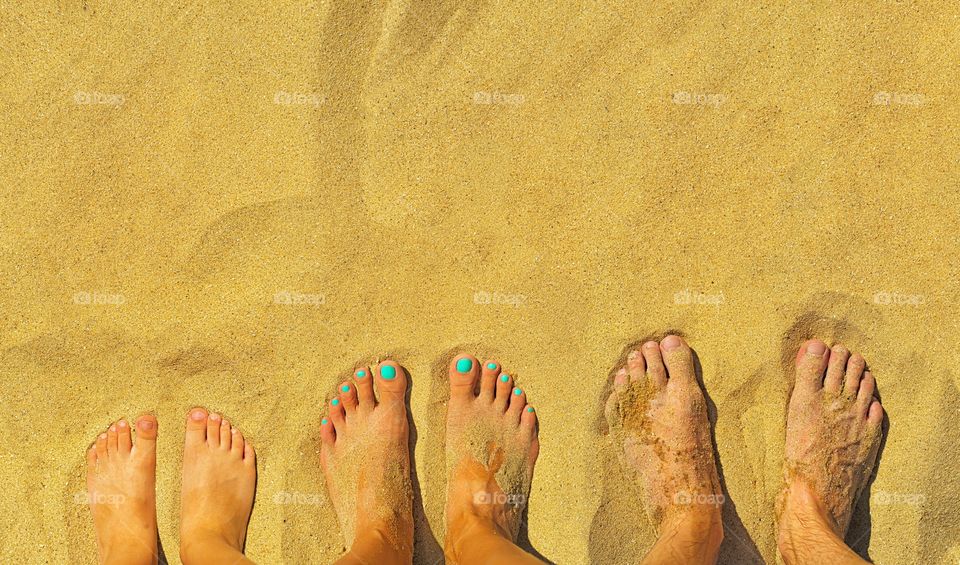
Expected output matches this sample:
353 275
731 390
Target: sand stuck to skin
232 205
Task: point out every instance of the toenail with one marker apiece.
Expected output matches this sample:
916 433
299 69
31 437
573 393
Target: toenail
464 365
491 366
145 425
103 436
388 372
214 417
671 342
504 378
345 388
197 415
517 392
633 355
529 408
651 345
113 428
361 373
335 402
816 348
122 423
323 422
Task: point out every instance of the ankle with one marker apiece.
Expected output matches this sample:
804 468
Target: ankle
471 528
203 546
379 543
700 528
804 523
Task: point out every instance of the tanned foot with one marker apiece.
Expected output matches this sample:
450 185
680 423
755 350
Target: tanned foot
657 417
121 490
491 449
219 478
833 435
366 462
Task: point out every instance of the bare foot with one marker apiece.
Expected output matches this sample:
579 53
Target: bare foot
491 447
366 461
121 490
219 477
657 416
833 434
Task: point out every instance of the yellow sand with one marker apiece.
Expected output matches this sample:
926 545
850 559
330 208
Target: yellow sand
256 196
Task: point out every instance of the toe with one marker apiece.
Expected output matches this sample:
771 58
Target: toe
101 446
678 358
836 367
464 372
213 429
364 385
225 435
348 397
327 433
236 443
391 382
488 380
528 421
636 366
656 371
811 360
855 367
196 427
92 459
124 442
112 443
621 379
518 401
875 416
249 455
337 415
504 390
147 434
865 395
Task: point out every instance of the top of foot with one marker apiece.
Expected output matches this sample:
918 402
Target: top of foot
121 491
657 416
491 448
833 431
366 456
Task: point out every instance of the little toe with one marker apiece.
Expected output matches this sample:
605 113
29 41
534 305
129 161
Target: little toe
236 443
855 366
678 359
91 459
811 361
363 381
464 372
348 396
621 379
488 380
328 434
518 401
836 368
337 415
249 455
656 371
875 416
528 421
213 429
504 390
196 426
124 441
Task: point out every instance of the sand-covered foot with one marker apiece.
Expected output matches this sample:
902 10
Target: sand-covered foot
491 449
833 434
366 462
219 478
121 490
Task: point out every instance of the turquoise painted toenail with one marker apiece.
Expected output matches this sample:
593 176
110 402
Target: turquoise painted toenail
361 373
345 388
464 365
529 408
324 422
335 402
388 372
504 378
517 391
491 366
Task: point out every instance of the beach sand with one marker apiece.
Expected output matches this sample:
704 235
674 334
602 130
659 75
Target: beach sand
234 206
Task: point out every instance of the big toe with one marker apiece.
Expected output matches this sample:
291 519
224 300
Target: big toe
196 426
464 372
678 357
812 359
146 435
391 381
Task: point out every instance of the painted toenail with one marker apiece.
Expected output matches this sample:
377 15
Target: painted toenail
335 402
817 348
530 409
345 388
388 372
517 392
323 422
361 373
197 415
504 378
491 366
671 342
145 425
464 365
